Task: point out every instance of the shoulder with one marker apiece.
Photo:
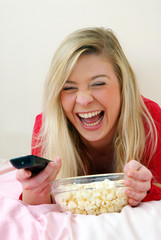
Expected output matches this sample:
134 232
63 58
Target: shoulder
155 163
35 145
39 118
38 123
153 108
151 104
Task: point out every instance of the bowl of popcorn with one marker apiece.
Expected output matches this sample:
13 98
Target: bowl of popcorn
90 195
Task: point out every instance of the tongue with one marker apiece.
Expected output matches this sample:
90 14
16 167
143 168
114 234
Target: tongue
92 119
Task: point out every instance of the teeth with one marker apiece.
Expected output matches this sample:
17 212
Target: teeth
89 115
92 124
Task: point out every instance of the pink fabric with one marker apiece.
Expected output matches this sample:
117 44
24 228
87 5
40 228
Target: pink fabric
45 222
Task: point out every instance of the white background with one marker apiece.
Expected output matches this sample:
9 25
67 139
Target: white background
31 30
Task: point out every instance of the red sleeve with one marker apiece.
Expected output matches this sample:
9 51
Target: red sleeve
37 126
35 150
153 194
155 163
20 197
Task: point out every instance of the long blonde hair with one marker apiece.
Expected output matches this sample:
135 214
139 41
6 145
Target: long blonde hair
60 138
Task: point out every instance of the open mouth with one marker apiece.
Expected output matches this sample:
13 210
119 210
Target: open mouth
92 118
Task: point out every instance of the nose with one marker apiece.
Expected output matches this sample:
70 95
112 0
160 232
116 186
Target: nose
84 98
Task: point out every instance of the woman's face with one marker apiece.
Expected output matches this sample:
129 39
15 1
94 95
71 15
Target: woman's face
91 98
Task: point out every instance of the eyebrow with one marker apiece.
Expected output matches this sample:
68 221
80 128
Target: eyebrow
68 81
93 78
100 75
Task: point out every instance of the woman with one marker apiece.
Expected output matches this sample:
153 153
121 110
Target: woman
94 120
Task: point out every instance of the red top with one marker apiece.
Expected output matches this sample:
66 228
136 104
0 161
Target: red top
155 163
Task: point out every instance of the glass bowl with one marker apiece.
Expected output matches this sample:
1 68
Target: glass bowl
90 195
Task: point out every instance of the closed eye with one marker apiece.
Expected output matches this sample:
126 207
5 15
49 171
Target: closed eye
69 88
98 84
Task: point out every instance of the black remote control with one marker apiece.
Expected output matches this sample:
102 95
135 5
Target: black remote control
30 162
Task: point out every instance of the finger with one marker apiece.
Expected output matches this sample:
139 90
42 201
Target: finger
51 171
54 173
139 186
23 174
43 178
56 170
45 186
137 196
133 202
133 165
33 182
143 174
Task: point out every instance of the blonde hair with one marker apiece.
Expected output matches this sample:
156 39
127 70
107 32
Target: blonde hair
60 138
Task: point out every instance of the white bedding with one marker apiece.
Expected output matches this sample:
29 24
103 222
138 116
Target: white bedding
46 222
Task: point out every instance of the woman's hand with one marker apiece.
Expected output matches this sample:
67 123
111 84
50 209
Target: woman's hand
36 190
138 182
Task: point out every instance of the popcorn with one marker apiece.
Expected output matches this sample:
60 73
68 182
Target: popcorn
92 198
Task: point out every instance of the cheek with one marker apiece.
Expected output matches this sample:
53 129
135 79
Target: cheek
112 102
115 105
67 103
63 101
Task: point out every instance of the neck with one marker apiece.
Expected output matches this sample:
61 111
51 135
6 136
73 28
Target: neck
100 157
100 147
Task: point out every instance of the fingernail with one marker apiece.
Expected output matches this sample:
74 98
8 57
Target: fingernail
130 173
27 173
52 164
57 160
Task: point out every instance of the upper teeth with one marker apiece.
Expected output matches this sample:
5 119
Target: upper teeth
89 115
